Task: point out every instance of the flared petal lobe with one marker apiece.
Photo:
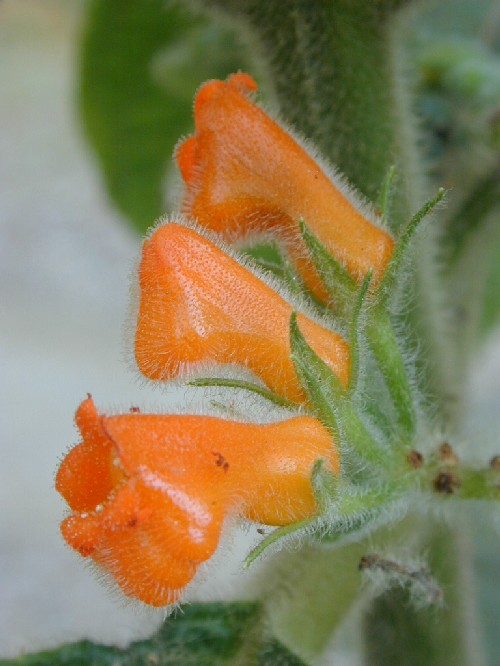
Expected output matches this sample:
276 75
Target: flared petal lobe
172 481
198 305
243 172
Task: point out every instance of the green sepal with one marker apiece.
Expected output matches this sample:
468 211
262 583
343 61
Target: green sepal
324 484
354 332
385 195
332 406
386 351
278 534
340 285
398 259
358 508
261 391
337 530
321 385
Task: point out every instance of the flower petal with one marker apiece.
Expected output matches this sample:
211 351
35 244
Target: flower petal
86 476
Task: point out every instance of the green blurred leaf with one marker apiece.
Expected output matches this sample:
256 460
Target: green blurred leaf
141 62
470 219
397 631
276 654
212 634
203 635
491 298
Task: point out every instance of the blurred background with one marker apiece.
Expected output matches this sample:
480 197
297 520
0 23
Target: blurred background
93 97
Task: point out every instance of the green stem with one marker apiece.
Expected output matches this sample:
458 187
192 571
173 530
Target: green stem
460 481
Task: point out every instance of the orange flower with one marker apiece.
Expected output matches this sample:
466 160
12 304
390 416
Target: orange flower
243 172
149 493
199 305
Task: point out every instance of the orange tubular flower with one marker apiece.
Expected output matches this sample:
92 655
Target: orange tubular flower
149 493
198 305
243 172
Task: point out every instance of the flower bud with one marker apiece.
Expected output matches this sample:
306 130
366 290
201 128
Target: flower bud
199 306
244 173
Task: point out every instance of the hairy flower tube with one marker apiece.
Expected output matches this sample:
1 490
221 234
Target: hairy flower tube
149 493
244 173
198 306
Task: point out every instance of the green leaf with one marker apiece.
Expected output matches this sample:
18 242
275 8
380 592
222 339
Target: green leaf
321 385
83 653
274 653
211 634
141 61
207 633
358 507
202 635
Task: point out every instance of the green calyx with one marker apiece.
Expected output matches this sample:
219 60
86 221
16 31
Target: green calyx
379 465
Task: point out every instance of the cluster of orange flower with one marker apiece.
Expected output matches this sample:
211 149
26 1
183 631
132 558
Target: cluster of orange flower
149 493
